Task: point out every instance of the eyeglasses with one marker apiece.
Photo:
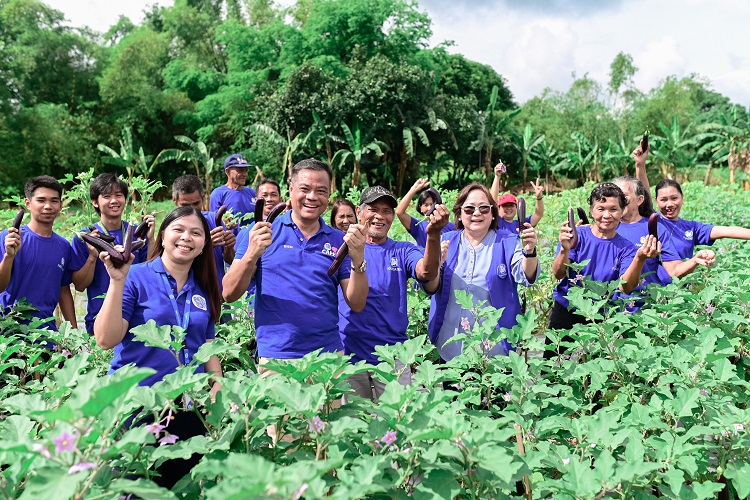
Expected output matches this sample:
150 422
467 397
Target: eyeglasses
470 210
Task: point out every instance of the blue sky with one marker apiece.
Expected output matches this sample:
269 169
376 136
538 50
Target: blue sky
538 44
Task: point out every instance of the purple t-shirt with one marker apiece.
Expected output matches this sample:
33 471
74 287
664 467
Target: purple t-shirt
608 260
418 231
686 234
384 319
636 233
240 201
510 227
41 267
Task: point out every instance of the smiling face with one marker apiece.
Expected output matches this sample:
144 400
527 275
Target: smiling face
236 177
45 204
426 205
380 213
345 217
508 211
607 215
475 221
270 194
308 193
184 239
669 200
111 205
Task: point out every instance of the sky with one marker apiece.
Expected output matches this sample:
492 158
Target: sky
538 44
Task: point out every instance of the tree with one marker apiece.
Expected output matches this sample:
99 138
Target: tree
528 146
199 156
621 73
675 148
492 124
357 150
127 156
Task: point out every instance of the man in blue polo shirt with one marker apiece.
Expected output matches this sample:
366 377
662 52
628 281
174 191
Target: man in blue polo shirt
34 260
234 194
296 304
187 191
384 319
109 196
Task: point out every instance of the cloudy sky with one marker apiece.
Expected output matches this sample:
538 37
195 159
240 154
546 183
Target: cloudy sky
537 44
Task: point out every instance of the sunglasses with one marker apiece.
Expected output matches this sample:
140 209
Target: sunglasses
470 210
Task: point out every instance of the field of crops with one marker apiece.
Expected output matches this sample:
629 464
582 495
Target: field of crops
649 405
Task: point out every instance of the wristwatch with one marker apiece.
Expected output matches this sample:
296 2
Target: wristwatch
532 254
362 268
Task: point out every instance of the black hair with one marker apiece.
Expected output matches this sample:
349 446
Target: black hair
311 164
106 183
668 183
272 182
41 181
423 198
335 209
647 207
465 194
203 266
186 184
607 190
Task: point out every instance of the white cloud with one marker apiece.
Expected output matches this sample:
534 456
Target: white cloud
658 60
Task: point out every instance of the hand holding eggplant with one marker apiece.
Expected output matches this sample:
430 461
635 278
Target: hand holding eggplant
529 238
650 248
353 233
217 236
572 226
12 242
438 219
259 239
566 236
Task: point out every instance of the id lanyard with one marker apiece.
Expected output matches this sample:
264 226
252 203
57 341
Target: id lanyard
183 321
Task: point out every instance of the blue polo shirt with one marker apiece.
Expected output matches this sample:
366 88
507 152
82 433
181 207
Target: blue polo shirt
418 231
40 268
608 260
384 319
99 284
636 233
145 298
240 201
218 251
510 227
686 234
296 304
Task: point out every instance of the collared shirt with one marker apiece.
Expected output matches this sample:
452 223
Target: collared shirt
218 251
654 272
100 282
418 231
470 274
40 268
296 302
144 299
241 201
384 319
686 234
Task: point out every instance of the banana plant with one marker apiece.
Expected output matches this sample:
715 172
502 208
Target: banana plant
199 156
491 126
675 148
127 156
356 150
527 146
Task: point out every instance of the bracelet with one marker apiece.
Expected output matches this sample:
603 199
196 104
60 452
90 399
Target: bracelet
539 198
528 255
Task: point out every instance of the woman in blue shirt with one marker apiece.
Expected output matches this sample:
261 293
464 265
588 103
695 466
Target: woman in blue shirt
486 263
415 227
177 286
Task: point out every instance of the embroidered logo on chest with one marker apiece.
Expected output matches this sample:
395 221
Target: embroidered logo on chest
688 234
61 265
200 302
329 250
394 265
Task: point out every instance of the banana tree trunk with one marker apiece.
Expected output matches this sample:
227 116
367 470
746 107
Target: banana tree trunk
356 174
402 160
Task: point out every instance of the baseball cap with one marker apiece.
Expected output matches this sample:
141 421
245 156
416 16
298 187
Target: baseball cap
373 193
237 161
507 198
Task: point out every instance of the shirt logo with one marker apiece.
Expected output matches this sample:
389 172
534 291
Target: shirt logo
643 240
288 246
502 271
329 250
200 302
688 234
394 265
394 262
61 265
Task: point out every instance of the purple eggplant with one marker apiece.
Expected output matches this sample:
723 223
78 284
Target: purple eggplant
653 225
276 211
572 224
115 255
583 216
521 214
260 204
18 218
338 259
436 200
220 215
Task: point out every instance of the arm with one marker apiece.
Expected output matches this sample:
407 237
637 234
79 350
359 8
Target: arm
640 158
67 306
85 275
12 246
495 188
109 326
433 285
562 259
403 205
539 208
735 232
650 248
680 269
229 240
428 267
356 287
242 270
530 264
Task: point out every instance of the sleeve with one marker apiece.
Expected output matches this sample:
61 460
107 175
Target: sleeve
243 240
702 233
129 298
418 231
627 255
141 255
345 271
67 277
211 331
516 266
2 244
80 253
668 251
215 200
528 219
411 256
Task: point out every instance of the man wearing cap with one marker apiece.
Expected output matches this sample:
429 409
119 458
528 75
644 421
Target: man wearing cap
384 319
234 194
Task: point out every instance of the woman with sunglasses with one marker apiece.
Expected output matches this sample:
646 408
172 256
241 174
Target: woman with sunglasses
486 263
178 287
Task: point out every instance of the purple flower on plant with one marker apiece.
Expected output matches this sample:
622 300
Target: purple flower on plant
377 444
315 424
233 408
42 450
81 467
703 392
389 438
64 442
507 396
168 439
465 324
710 309
155 428
739 427
301 491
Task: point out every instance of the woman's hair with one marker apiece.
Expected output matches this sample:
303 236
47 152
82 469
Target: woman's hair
465 194
607 190
335 209
668 183
423 199
204 265
647 207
